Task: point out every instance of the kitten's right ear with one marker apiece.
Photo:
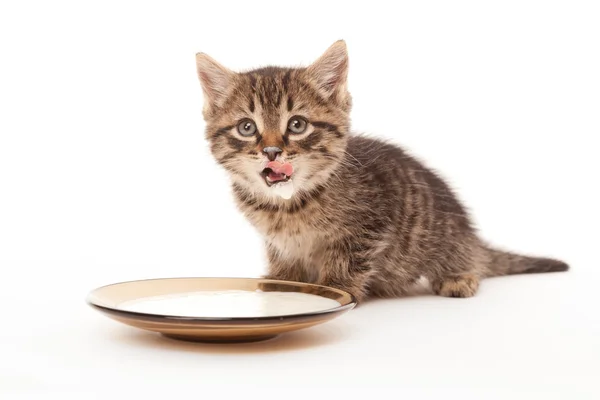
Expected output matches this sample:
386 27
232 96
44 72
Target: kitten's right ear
215 80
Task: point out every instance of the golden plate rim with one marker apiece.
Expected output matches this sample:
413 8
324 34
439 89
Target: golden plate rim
347 306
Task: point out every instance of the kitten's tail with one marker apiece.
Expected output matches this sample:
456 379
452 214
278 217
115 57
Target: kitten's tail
505 263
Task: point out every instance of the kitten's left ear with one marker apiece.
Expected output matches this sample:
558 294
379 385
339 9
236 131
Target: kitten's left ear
215 80
330 71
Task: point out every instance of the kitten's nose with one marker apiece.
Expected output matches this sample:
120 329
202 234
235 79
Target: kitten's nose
272 152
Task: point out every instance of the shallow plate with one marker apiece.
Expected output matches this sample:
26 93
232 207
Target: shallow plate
108 300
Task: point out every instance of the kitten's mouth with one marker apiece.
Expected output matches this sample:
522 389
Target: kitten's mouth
276 172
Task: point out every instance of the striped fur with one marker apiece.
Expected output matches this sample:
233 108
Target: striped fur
365 216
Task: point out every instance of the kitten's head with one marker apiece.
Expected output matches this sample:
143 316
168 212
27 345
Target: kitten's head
265 123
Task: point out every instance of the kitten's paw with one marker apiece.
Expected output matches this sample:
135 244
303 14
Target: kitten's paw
358 292
459 286
359 295
286 277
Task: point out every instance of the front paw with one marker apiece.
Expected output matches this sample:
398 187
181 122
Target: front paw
359 295
358 292
276 277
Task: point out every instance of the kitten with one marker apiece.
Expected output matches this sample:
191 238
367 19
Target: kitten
334 208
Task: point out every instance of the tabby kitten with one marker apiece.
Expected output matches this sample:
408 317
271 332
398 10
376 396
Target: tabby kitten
336 208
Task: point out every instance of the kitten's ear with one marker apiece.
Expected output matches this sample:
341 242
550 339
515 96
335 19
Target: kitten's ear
330 71
215 80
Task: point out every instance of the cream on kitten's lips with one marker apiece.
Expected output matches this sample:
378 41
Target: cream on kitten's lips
277 171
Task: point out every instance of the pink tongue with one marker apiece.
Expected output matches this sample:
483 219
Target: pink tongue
280 169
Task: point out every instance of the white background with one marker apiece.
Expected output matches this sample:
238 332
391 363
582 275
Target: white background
105 176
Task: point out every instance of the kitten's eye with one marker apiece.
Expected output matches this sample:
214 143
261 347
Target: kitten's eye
297 125
246 127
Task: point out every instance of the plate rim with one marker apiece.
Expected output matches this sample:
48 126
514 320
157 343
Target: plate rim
220 320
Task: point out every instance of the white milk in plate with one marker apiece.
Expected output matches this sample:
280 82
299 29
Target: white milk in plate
230 303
